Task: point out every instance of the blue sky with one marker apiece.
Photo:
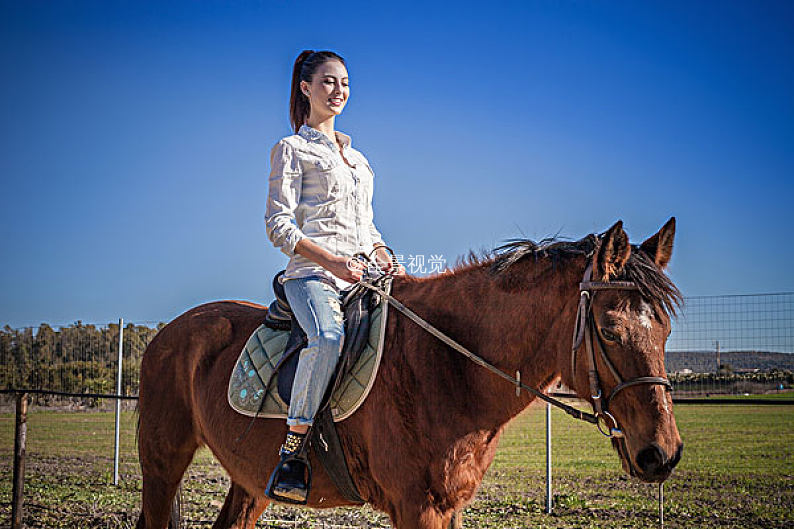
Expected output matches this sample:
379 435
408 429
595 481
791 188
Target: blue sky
135 137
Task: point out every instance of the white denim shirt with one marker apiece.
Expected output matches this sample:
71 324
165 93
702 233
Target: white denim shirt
314 194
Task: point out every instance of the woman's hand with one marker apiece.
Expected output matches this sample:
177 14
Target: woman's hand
335 264
384 260
348 268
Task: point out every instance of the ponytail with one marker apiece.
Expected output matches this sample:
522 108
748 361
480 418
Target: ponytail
305 65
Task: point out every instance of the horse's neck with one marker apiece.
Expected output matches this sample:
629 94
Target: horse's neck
517 328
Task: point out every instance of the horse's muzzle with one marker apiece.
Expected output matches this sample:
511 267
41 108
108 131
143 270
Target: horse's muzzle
654 465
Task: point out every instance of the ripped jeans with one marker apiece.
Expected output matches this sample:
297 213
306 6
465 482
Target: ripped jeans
316 305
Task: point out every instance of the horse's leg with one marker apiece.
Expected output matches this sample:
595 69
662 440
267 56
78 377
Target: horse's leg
428 519
161 481
240 510
166 444
416 516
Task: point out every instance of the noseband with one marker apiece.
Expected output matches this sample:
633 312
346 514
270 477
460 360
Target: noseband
585 330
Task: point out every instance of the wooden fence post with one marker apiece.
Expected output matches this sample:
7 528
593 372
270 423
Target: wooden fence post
21 434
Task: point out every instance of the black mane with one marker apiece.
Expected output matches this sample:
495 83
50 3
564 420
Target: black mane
653 283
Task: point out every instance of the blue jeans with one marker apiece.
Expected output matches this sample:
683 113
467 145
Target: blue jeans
316 305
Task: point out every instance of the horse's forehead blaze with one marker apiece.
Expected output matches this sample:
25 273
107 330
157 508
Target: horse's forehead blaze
644 327
645 315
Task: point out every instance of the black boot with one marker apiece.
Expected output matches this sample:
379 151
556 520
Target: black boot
291 480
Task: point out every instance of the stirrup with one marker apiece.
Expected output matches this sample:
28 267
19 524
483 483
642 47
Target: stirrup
291 480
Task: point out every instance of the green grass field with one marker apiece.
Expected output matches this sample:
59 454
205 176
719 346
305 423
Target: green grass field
737 471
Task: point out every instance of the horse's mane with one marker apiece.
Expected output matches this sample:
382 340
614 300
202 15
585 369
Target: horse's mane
653 283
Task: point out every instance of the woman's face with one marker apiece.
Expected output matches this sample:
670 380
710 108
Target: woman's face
328 91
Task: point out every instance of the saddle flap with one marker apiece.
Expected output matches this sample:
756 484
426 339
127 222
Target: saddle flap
267 355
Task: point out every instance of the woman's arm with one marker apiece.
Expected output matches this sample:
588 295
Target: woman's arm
345 268
284 193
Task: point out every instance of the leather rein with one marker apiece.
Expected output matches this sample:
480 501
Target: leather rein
584 330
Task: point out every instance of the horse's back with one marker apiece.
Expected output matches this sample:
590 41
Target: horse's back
195 349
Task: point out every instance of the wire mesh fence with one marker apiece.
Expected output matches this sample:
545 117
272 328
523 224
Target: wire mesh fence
719 345
739 344
74 363
754 323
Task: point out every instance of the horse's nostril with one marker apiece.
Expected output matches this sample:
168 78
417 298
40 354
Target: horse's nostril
651 459
676 457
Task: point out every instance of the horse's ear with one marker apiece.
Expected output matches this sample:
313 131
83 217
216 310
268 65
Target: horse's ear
612 254
660 246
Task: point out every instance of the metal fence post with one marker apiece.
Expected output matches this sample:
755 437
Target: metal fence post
548 459
661 505
20 439
118 405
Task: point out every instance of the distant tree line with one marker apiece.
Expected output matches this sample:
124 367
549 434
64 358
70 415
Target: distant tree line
82 358
78 358
732 383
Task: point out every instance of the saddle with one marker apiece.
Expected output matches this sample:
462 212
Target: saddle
357 306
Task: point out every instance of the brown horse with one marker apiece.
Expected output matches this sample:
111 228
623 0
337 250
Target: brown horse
421 442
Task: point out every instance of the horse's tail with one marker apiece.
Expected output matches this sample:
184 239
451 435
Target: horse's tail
137 413
175 516
175 519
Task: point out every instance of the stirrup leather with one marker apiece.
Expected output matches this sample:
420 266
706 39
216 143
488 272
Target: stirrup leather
291 480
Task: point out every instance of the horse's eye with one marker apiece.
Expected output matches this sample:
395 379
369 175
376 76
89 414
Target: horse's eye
610 336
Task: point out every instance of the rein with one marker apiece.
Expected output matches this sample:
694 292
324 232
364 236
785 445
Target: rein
584 330
570 410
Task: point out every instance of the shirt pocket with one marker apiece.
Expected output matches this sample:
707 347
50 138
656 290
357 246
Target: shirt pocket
322 182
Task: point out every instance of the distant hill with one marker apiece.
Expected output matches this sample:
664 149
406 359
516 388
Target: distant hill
706 362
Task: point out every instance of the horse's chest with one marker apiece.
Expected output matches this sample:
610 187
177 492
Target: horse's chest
465 464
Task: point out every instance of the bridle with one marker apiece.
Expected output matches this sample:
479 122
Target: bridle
584 330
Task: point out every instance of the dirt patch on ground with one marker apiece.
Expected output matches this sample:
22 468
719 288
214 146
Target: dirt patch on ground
76 492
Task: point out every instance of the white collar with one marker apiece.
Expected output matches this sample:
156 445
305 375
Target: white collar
311 134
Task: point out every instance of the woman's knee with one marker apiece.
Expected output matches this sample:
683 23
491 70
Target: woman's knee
331 338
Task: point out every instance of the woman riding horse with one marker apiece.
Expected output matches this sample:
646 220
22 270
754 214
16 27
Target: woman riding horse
319 213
